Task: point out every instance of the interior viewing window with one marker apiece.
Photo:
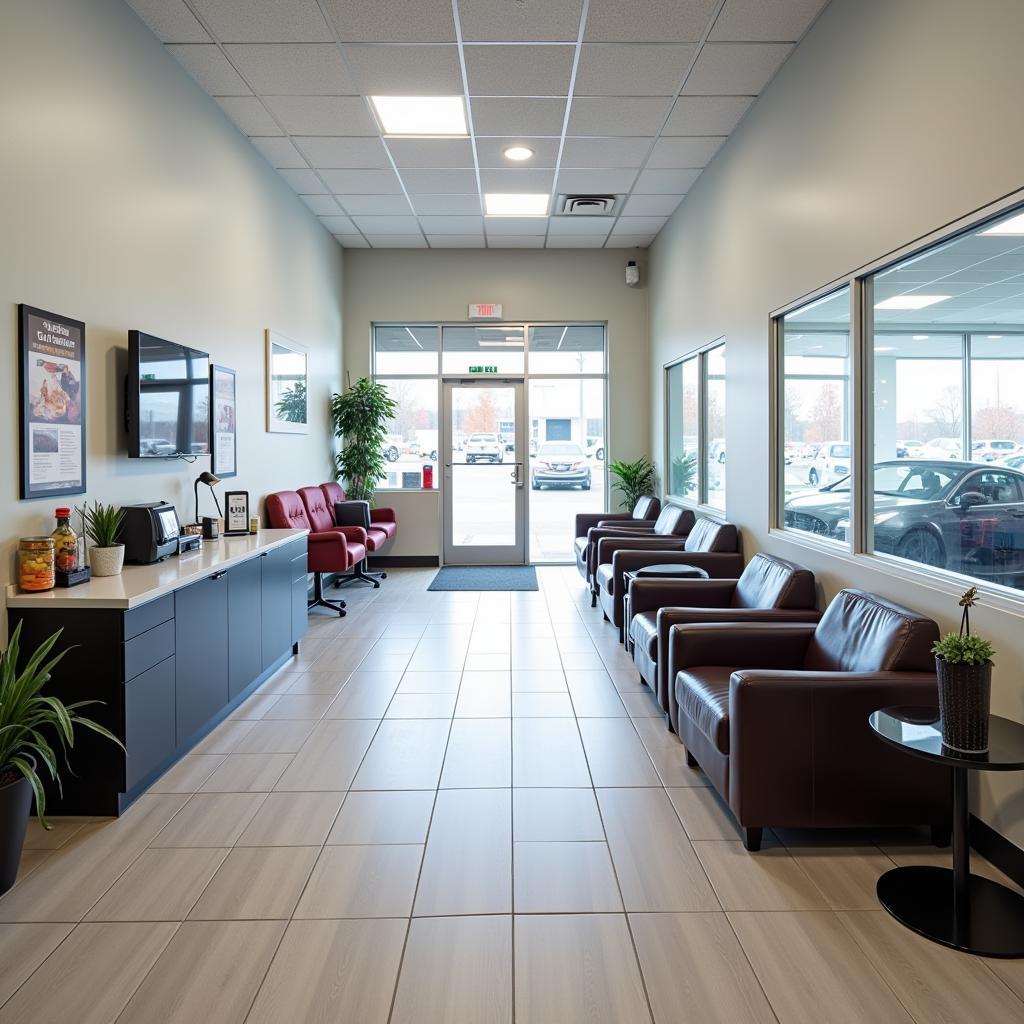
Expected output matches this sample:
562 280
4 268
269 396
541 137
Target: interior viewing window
682 386
713 408
814 422
412 436
947 327
470 349
405 350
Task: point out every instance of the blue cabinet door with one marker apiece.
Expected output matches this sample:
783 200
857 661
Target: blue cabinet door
245 616
200 653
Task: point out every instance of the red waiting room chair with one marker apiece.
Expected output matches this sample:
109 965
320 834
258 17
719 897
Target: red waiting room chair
322 519
335 550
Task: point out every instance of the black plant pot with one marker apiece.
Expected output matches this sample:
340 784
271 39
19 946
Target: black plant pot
15 803
965 695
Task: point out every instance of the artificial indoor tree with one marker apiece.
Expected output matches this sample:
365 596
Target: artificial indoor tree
634 480
360 417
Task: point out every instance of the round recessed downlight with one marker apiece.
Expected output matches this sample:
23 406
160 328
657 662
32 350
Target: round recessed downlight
518 153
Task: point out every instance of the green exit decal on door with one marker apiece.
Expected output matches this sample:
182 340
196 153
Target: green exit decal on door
483 369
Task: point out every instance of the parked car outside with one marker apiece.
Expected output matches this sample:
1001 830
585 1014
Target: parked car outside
484 447
1014 462
560 464
948 514
830 464
595 448
716 451
941 448
157 446
909 449
990 451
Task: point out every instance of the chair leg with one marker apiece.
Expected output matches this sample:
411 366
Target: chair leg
593 599
318 597
691 761
359 574
752 839
941 835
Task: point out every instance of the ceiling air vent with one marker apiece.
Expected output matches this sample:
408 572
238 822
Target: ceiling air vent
587 206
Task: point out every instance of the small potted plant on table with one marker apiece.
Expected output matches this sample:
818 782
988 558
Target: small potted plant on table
103 528
963 663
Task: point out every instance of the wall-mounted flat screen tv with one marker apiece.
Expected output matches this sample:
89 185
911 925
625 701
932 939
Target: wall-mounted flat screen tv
167 399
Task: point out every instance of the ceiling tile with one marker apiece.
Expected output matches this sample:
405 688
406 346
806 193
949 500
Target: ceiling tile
441 205
746 20
338 225
638 225
666 182
627 69
386 205
596 181
517 116
355 152
574 225
432 152
306 183
398 241
735 69
371 225
264 21
515 225
353 241
515 241
501 21
425 21
491 152
651 206
379 182
322 206
605 152
517 180
519 70
575 241
706 115
617 115
279 152
211 69
297 69
456 241
249 114
322 115
406 70
452 225
685 152
170 21
438 182
655 21
629 241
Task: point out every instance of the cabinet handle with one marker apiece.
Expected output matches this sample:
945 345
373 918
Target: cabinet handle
217 575
263 554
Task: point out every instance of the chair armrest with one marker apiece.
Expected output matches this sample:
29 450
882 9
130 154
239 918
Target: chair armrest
717 564
607 546
383 514
757 645
352 513
647 594
355 534
630 526
585 520
327 538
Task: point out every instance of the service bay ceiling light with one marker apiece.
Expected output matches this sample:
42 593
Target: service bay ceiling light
518 153
1011 226
516 204
910 301
421 115
920 337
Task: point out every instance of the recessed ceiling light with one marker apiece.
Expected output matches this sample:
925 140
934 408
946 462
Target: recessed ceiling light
920 337
993 337
885 348
421 115
518 153
1011 226
910 301
516 204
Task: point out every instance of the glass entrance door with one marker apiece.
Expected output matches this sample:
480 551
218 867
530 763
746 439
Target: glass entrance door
484 473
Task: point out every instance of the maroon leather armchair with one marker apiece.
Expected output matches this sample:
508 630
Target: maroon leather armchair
709 545
382 519
777 716
321 517
359 513
643 515
768 590
335 550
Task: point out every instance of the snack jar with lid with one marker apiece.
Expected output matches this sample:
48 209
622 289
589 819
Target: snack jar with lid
35 563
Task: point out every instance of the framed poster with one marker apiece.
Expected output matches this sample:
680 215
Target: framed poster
51 352
287 377
236 513
224 404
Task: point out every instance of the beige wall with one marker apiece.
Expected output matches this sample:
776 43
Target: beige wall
531 284
129 200
890 120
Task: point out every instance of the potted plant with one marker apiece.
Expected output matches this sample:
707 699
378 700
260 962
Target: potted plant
360 417
103 528
28 721
635 479
963 663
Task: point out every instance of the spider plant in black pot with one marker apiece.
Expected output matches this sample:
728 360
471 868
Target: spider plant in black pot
35 729
963 663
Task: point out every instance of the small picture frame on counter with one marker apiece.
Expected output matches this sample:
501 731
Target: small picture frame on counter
236 513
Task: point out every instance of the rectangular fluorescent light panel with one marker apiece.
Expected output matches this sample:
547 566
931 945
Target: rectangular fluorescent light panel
1010 226
516 204
910 301
421 115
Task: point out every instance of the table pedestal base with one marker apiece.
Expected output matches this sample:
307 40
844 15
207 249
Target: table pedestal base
922 898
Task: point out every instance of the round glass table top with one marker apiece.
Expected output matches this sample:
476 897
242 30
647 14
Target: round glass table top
916 730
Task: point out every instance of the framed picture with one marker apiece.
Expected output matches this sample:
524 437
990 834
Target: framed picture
223 423
51 355
287 377
236 513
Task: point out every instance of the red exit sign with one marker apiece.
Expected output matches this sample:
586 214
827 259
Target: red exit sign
485 311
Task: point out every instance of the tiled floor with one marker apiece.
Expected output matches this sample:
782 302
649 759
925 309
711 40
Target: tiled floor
463 808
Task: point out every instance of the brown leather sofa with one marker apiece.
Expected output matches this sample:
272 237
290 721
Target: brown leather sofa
709 545
777 716
768 590
643 516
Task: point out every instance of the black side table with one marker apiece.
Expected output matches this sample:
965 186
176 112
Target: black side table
663 571
954 907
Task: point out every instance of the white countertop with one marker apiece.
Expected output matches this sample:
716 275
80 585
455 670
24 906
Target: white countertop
139 584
